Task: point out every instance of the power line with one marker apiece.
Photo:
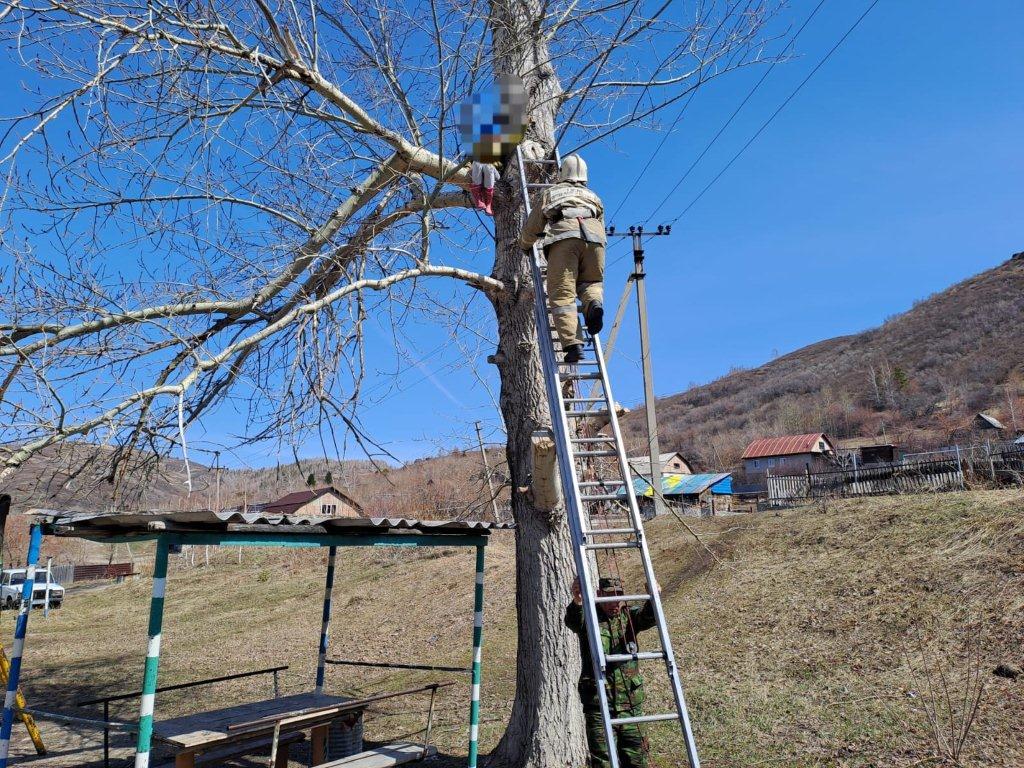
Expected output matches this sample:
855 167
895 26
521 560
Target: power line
775 114
714 138
735 112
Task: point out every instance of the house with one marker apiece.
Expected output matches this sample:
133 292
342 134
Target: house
673 463
788 455
704 494
316 502
983 422
864 451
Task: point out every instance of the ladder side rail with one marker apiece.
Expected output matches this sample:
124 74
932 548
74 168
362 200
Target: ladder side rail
567 470
645 555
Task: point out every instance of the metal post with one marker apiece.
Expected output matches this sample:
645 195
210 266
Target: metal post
478 633
46 598
653 446
325 626
156 621
430 723
5 508
20 628
106 734
487 471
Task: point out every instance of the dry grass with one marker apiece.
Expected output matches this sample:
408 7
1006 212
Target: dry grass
798 644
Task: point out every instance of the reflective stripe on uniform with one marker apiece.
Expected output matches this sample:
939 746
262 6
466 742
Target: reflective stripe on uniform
567 309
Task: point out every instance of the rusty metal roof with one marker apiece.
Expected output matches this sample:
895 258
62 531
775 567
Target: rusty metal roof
787 445
93 525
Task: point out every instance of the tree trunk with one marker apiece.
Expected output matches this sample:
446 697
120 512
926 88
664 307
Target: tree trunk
546 726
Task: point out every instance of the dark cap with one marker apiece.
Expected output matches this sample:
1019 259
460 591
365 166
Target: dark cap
610 584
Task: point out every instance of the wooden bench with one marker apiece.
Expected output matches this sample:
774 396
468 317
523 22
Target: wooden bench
217 756
383 757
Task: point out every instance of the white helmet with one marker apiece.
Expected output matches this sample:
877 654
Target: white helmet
573 169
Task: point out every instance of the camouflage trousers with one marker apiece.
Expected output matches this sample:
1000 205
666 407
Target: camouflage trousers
631 744
575 268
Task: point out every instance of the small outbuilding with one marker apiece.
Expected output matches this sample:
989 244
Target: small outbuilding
672 463
703 494
984 422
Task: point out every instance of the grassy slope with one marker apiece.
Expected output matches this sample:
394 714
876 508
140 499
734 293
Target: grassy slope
792 645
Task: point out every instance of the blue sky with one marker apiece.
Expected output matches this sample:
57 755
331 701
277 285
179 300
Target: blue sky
895 172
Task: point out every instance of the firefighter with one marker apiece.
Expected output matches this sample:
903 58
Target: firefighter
570 217
624 685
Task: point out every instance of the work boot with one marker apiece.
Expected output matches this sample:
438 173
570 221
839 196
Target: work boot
594 317
574 353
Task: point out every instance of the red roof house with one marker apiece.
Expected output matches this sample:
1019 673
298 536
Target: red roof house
787 455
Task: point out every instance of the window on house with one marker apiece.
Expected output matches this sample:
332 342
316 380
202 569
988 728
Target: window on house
756 463
328 509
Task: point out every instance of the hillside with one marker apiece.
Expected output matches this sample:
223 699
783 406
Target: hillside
919 377
807 640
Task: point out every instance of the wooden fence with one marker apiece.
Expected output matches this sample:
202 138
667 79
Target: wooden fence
914 477
69 574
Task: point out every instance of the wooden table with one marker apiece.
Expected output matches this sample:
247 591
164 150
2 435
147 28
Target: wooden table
192 735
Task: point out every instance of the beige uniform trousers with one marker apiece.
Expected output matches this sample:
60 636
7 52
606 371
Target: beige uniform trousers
575 268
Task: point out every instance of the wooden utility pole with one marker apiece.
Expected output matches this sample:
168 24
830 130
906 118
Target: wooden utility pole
487 473
637 234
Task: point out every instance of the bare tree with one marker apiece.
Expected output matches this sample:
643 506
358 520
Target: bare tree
207 202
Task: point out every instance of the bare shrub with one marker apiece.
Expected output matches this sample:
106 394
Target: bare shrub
948 689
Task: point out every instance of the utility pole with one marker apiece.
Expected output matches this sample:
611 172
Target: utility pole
637 234
487 472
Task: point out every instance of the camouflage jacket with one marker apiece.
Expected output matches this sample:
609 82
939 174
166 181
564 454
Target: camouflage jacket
618 635
563 211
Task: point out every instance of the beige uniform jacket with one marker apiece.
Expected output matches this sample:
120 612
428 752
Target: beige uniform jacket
563 211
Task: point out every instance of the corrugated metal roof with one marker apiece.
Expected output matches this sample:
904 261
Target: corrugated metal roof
685 485
90 524
786 445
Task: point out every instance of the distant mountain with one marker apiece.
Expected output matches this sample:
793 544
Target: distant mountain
918 378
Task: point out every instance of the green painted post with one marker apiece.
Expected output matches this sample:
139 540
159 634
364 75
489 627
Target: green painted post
156 620
478 634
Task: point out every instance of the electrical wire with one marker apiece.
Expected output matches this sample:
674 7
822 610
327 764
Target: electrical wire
776 113
735 112
760 130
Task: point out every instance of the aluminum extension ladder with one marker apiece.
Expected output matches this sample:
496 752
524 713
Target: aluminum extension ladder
587 494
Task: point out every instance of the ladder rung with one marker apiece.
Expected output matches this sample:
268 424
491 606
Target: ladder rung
592 439
579 362
599 483
617 658
602 497
580 376
644 719
584 414
596 453
611 532
621 598
575 400
613 545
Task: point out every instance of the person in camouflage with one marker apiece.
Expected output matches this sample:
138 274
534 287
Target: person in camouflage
624 684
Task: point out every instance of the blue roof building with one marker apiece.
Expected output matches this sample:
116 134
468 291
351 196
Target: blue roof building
689 491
